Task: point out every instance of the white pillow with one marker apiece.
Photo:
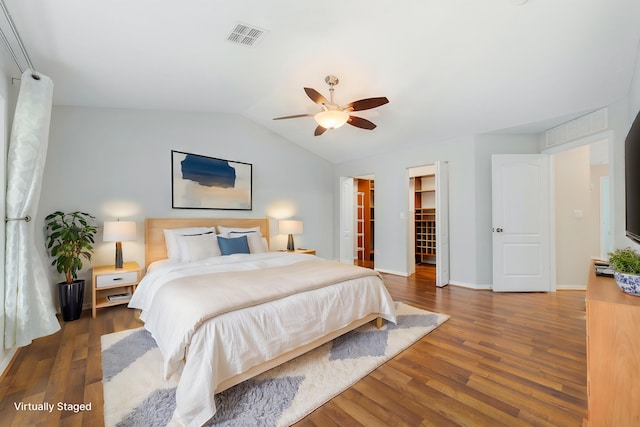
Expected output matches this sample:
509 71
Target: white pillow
257 243
224 231
173 250
198 246
265 244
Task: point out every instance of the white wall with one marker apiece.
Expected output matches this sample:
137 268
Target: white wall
469 201
597 172
470 191
631 106
392 196
619 123
116 163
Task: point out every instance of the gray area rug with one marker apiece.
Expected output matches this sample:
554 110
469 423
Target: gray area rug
136 395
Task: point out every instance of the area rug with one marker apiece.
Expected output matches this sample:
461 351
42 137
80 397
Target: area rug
136 395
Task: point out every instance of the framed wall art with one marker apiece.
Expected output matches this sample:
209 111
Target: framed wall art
201 182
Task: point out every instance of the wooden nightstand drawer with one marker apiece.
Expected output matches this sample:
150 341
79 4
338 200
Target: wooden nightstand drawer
108 282
116 279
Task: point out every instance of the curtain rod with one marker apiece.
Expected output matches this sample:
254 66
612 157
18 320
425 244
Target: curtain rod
26 219
19 40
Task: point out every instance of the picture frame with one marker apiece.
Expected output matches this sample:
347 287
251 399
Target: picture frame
203 182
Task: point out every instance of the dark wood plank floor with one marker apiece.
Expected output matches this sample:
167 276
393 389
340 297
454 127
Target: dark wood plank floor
501 360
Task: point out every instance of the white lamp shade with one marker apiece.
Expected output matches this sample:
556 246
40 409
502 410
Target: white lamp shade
331 119
119 231
290 227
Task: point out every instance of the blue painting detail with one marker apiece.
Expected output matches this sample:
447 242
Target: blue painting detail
208 171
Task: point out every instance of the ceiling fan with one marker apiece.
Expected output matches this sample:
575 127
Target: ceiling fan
332 115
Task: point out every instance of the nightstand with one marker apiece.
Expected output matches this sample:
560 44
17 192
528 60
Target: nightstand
304 251
113 286
299 251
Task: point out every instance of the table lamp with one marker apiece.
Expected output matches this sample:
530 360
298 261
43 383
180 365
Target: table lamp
290 227
119 231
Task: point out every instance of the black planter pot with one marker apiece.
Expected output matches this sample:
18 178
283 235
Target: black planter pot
71 299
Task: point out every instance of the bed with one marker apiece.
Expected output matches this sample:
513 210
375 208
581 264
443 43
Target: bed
219 320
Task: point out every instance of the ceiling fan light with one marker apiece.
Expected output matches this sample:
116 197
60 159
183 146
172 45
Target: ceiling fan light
331 119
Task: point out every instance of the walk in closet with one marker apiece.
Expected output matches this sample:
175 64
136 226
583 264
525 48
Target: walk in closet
424 188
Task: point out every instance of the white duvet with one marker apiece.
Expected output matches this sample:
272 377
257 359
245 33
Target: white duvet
231 343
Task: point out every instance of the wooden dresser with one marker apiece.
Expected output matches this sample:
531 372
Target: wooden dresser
613 354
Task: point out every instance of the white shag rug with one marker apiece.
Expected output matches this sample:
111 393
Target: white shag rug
135 393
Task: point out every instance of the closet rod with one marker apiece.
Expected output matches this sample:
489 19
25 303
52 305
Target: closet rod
19 40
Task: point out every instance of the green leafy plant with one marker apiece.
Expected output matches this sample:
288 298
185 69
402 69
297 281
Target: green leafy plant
70 237
625 261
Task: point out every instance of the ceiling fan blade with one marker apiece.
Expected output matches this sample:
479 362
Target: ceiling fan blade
319 131
294 116
367 103
315 96
359 122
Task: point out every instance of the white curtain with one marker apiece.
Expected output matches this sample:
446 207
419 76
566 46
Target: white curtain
29 309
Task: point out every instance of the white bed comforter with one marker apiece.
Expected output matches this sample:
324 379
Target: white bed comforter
230 342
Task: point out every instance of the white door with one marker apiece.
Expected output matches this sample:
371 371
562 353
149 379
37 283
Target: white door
521 223
346 220
442 224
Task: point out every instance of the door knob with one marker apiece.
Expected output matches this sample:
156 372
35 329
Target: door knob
497 230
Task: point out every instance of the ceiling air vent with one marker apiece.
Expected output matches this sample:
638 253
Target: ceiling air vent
246 35
579 128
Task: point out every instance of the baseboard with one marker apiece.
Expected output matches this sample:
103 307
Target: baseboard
488 287
6 361
560 287
451 282
395 273
471 286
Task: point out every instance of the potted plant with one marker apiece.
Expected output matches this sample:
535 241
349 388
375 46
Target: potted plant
69 238
626 266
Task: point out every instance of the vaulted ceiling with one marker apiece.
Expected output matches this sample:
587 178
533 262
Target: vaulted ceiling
449 68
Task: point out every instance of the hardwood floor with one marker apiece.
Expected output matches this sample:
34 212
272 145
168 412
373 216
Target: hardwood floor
361 263
501 360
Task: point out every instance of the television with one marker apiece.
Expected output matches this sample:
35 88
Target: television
632 181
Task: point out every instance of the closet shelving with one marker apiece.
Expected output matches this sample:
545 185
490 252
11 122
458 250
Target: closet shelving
425 219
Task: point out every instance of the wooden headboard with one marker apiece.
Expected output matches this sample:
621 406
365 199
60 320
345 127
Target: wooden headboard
155 248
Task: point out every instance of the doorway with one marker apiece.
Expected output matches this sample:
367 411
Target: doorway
422 200
582 210
364 221
428 225
357 220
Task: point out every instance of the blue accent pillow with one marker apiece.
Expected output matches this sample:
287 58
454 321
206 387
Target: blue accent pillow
235 245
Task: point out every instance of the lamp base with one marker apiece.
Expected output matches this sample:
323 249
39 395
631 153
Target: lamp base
290 246
119 262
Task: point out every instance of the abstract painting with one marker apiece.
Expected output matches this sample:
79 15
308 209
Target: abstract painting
201 182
